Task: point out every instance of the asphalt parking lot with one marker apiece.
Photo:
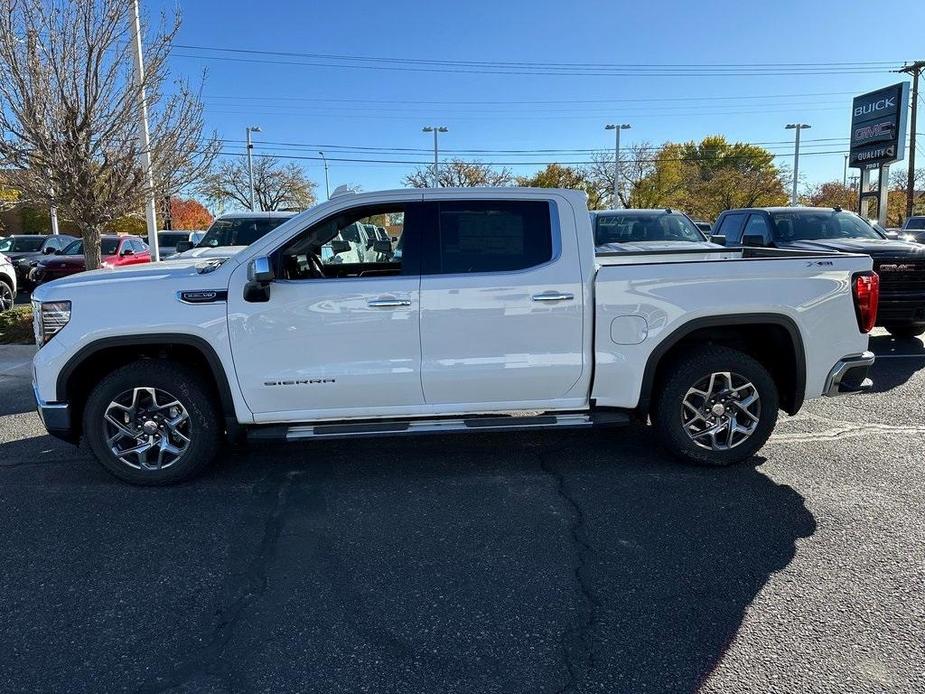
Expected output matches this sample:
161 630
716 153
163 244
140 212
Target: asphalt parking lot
540 562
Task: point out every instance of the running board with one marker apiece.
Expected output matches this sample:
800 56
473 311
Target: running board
404 427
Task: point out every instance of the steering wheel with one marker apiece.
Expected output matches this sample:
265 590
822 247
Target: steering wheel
317 265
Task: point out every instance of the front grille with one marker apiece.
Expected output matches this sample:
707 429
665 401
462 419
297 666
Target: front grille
900 276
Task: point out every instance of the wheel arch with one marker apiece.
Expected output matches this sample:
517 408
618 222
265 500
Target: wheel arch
90 362
773 339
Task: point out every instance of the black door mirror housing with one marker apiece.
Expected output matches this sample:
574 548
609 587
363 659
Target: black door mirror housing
127 251
260 274
183 246
382 246
48 250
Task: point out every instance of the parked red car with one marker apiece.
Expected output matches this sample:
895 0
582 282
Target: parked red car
116 251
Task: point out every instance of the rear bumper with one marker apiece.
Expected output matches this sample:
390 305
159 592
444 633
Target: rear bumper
900 308
56 418
849 375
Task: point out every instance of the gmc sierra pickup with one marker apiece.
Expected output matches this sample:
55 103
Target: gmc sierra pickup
496 315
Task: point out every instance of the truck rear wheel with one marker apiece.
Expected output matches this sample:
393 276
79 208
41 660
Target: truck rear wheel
717 407
152 422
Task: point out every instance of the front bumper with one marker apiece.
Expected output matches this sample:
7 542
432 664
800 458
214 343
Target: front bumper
849 375
56 418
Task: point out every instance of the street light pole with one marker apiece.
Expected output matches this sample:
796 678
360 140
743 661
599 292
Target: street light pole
436 129
796 159
617 168
327 186
144 137
844 180
250 160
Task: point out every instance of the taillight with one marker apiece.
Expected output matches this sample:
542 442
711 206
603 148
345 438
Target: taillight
866 298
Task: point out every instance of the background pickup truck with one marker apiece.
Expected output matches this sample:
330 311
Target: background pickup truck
496 315
899 264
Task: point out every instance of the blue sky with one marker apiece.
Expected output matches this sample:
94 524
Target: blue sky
302 106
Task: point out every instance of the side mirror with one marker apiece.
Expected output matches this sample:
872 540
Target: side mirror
260 270
753 240
127 251
339 246
183 246
394 239
382 246
259 275
48 250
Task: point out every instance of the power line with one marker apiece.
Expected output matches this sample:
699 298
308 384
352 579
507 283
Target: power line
382 60
527 102
654 71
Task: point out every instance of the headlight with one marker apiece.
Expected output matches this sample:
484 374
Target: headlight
48 319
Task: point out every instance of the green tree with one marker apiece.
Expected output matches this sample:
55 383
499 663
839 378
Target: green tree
559 176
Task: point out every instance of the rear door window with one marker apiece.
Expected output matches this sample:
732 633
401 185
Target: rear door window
489 236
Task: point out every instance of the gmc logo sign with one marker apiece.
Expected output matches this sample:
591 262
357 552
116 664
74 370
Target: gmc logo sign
870 131
874 106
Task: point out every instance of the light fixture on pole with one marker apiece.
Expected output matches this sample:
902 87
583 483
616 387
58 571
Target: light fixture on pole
796 159
436 129
327 186
617 170
250 160
144 137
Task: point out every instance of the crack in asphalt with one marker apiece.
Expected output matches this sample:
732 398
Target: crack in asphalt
577 651
253 584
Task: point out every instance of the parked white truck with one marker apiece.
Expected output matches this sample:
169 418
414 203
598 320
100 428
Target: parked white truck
496 315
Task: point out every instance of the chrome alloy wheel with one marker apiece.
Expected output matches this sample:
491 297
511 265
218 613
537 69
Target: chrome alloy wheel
721 411
147 428
6 297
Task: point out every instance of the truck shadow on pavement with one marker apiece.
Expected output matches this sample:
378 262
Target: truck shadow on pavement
904 359
545 562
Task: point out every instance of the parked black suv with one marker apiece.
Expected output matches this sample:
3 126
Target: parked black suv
25 251
900 264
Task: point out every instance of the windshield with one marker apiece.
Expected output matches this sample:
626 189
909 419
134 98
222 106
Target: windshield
241 231
630 227
21 244
916 223
107 247
820 225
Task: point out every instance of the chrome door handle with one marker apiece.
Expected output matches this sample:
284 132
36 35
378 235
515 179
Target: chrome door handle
388 303
553 296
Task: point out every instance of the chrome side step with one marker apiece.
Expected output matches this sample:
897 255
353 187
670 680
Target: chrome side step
403 427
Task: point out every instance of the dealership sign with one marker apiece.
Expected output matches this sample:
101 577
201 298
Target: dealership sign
878 126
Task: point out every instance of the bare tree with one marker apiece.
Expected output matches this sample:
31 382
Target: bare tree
71 106
277 186
457 173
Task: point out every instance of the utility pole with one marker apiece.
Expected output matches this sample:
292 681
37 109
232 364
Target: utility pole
436 129
617 168
914 69
796 159
327 186
844 180
144 137
250 160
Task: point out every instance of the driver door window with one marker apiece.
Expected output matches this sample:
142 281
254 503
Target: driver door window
349 245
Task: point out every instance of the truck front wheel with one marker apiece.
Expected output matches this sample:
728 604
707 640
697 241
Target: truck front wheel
152 422
718 406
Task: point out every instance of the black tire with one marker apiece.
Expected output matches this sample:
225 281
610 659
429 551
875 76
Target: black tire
7 296
690 370
203 425
906 332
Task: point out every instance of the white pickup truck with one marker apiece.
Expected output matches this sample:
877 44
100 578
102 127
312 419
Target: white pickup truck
496 315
